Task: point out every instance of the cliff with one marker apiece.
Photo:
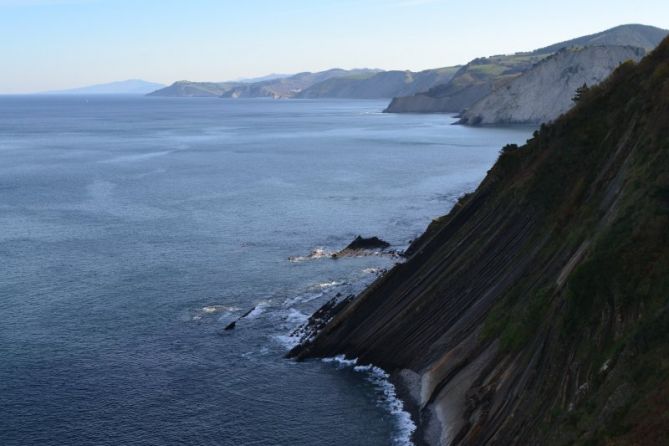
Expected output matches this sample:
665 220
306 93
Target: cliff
537 311
546 90
386 84
468 85
486 76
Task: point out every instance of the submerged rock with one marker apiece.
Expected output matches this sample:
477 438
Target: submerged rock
317 321
232 325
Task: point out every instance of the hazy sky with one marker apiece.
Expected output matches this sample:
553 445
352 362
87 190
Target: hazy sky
52 44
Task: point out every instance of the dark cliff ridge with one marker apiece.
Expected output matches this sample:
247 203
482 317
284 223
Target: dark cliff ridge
537 311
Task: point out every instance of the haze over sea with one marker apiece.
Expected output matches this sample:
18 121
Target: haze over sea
135 229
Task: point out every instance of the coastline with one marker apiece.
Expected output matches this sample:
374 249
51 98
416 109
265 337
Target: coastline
395 401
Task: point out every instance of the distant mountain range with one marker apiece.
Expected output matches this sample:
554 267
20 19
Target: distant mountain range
335 83
131 86
526 87
272 86
292 86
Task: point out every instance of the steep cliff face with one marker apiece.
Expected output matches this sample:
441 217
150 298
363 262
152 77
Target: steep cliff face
382 85
468 85
485 76
546 90
537 311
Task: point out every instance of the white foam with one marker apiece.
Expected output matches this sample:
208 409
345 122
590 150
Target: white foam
301 299
211 309
405 427
326 285
371 270
296 317
257 311
317 253
287 341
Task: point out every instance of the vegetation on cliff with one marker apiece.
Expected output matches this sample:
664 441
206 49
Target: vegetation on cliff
482 84
537 311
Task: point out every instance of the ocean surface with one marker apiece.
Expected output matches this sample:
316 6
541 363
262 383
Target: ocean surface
133 230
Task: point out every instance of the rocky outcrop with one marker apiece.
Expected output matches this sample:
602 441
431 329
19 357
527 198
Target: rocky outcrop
546 90
362 246
537 311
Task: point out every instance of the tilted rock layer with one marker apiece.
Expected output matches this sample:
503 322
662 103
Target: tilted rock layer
537 311
546 91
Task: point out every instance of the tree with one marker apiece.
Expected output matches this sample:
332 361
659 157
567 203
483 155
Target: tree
580 92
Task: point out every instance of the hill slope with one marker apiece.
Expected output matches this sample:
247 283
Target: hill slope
546 90
537 311
473 84
468 85
195 89
386 84
640 36
290 86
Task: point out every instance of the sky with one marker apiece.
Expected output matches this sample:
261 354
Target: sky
55 44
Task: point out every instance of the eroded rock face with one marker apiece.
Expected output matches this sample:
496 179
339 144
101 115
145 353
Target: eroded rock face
545 92
536 312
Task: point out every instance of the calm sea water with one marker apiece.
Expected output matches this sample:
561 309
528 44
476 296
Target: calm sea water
132 230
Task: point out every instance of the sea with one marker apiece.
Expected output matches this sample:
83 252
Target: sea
133 230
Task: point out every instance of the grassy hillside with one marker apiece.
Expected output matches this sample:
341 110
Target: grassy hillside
194 89
639 36
471 83
481 77
386 84
291 86
537 311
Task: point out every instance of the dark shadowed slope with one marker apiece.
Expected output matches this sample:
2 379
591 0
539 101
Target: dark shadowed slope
537 311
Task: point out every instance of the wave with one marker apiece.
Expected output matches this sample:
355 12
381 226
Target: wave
211 310
301 299
326 285
316 253
404 425
137 157
257 310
